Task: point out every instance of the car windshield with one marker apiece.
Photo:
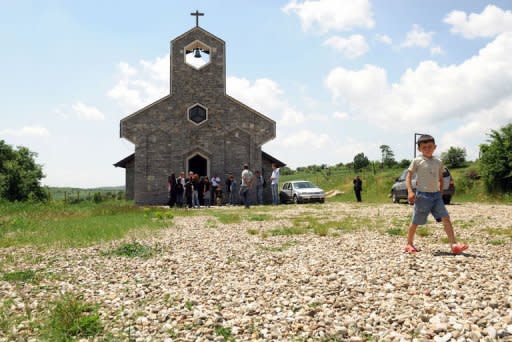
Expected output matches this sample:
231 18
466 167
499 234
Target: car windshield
303 185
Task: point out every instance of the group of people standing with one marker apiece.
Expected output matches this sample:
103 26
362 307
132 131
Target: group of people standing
195 191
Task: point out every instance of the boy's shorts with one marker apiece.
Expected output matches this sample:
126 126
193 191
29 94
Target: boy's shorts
426 203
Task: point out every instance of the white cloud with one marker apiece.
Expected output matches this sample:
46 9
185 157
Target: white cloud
430 93
87 113
351 47
292 117
340 115
265 96
306 138
141 85
477 125
417 37
159 69
126 70
326 15
357 87
384 39
27 131
436 50
491 22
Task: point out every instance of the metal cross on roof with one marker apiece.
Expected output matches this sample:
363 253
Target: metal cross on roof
197 15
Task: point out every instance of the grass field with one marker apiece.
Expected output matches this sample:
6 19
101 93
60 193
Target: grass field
73 225
84 222
377 186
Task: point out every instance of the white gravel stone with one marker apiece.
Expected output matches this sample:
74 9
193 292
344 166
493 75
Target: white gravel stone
302 287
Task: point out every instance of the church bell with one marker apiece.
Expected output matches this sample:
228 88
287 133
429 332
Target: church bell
197 54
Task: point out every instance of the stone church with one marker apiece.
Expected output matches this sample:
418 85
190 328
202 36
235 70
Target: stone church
197 127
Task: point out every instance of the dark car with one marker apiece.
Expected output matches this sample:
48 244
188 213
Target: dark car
399 189
300 192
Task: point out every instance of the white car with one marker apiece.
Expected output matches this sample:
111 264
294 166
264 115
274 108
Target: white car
301 191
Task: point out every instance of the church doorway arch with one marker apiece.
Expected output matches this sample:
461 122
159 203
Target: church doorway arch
198 164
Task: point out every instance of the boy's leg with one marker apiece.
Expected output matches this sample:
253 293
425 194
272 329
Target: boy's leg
422 206
439 210
448 228
410 234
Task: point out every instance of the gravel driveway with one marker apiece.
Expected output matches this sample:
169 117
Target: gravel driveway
256 281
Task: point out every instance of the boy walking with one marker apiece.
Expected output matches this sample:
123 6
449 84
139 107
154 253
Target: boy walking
428 197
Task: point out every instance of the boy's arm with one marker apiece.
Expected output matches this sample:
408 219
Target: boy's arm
411 196
441 182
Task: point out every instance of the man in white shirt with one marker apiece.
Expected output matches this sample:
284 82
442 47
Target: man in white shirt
246 185
274 179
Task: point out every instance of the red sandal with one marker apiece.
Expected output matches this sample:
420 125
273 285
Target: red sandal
410 249
459 248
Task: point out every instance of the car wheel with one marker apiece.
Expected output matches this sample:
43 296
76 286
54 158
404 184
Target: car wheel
282 198
322 200
296 199
447 199
394 197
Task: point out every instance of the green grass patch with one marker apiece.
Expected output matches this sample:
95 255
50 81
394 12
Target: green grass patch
228 217
133 250
225 333
287 231
496 242
210 223
258 217
396 232
252 231
70 317
423 231
189 305
84 224
464 224
28 276
500 232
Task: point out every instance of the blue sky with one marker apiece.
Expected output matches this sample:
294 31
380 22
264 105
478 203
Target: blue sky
339 77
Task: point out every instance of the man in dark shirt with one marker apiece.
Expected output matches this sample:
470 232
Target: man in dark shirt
358 187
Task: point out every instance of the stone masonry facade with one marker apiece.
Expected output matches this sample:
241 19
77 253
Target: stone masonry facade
165 139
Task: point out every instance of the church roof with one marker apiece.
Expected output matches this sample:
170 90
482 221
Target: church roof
265 155
122 163
197 28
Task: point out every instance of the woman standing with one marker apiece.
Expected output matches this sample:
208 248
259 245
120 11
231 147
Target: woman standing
206 186
171 187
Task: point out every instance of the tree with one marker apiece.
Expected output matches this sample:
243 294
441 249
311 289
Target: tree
454 157
19 174
404 163
496 160
285 171
388 157
360 161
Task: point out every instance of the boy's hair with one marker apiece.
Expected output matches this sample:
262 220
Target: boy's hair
425 138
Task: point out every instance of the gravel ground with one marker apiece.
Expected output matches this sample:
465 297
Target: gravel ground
209 279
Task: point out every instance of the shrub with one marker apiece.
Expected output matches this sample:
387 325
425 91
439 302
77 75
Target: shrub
455 157
132 250
20 276
71 317
496 160
20 176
